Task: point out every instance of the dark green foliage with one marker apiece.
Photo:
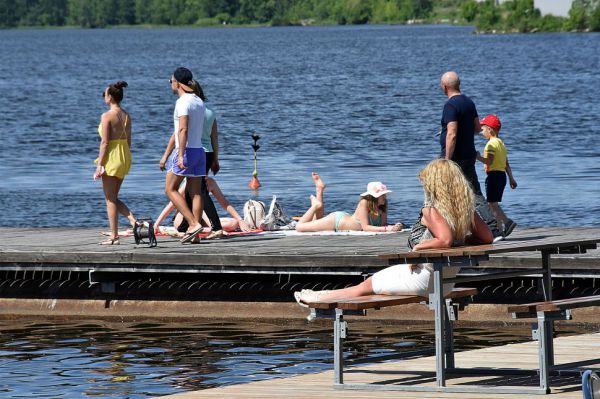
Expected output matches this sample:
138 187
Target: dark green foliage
595 19
469 10
513 15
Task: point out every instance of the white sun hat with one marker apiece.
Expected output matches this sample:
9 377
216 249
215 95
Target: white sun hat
376 189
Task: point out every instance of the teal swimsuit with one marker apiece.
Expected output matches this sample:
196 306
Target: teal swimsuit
339 215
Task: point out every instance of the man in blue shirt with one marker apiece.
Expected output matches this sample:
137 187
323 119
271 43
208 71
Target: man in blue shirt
460 124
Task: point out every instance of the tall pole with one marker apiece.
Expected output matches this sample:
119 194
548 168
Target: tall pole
254 183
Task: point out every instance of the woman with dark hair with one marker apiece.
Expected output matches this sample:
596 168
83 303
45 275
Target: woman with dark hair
210 143
114 158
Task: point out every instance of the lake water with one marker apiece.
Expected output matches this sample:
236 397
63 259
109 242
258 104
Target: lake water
354 103
46 359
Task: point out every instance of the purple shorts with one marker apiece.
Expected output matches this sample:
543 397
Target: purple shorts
194 159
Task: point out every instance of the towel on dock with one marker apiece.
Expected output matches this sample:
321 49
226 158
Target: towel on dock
336 233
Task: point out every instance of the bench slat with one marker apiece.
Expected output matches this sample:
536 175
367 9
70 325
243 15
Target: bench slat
378 301
560 304
557 244
381 301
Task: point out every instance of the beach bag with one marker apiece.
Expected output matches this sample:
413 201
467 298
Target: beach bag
417 232
254 213
276 218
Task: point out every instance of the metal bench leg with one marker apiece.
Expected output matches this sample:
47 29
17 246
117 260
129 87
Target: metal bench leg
549 327
544 350
339 333
452 311
440 313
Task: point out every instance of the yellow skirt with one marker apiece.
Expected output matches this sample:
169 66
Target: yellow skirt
117 161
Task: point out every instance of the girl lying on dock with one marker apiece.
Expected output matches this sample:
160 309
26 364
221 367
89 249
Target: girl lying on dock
448 218
228 224
370 213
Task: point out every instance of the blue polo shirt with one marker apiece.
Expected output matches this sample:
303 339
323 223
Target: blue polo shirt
462 110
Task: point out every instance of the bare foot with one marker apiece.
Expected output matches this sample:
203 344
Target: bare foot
314 202
319 184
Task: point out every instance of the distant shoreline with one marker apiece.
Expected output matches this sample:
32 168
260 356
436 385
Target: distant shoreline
233 26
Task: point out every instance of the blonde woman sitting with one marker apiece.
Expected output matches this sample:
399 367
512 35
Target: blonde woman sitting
370 213
448 218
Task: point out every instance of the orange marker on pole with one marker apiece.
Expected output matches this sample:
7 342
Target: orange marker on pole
254 183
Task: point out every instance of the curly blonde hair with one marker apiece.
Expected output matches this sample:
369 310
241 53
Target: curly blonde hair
451 194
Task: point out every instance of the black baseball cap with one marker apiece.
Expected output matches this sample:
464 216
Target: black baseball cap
183 76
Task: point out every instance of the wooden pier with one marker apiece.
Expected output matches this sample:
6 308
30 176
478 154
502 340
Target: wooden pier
43 271
576 350
68 249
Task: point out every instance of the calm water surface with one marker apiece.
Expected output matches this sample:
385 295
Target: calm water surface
354 103
147 359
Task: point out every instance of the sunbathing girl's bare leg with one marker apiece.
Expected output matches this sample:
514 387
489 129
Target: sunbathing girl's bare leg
311 213
319 188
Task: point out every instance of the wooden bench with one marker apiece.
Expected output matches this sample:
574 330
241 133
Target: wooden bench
472 257
336 309
543 330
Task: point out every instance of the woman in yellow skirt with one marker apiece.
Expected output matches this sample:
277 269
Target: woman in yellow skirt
114 159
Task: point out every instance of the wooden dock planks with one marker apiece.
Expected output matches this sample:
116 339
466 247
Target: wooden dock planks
568 349
77 249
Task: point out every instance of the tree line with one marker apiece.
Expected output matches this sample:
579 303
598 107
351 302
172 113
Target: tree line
513 15
522 16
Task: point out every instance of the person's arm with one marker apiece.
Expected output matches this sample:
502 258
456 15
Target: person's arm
182 135
168 151
106 129
488 159
362 214
480 233
214 139
451 131
511 180
214 188
442 235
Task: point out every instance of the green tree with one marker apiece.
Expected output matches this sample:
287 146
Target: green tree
469 10
522 15
489 16
577 16
594 23
8 17
385 11
125 13
142 11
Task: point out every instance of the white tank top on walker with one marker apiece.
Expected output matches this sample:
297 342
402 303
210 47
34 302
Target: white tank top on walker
192 106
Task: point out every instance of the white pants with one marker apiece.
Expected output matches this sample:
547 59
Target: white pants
401 280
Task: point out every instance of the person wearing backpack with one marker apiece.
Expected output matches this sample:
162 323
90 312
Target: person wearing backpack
370 213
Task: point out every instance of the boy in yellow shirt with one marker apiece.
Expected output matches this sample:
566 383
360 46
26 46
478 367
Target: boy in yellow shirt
497 167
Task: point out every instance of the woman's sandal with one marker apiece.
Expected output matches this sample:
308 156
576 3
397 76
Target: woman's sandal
189 236
111 241
214 235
